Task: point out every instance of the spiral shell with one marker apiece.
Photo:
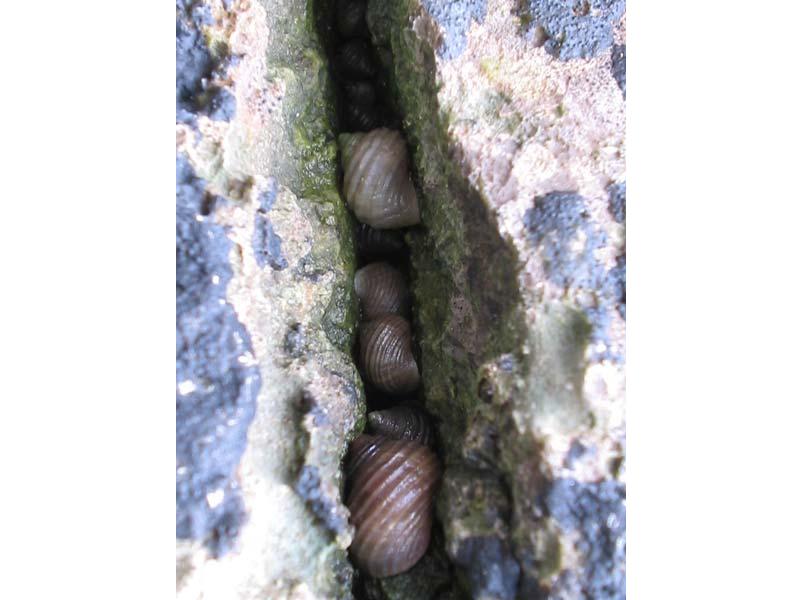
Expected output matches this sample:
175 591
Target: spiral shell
401 423
386 355
381 289
360 92
379 243
355 61
391 502
377 184
362 118
350 17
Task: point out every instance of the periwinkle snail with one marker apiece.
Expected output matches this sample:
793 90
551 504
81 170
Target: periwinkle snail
393 474
354 60
401 423
361 93
381 289
392 485
386 357
377 184
362 118
378 243
350 16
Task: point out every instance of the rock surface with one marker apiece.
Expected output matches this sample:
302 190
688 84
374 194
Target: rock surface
267 394
514 112
515 116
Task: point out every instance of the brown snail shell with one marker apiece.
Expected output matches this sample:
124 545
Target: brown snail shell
392 486
401 423
354 59
362 118
386 357
350 17
377 184
381 289
360 92
379 243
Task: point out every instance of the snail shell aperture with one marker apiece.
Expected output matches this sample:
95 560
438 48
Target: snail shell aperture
392 486
381 289
377 184
401 423
386 355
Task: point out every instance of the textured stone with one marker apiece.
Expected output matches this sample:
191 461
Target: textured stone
518 152
618 65
574 29
454 18
616 199
595 514
265 261
217 386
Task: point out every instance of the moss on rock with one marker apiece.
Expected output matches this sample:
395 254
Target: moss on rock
513 328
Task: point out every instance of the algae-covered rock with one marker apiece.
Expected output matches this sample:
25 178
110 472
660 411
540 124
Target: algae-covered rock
268 396
515 117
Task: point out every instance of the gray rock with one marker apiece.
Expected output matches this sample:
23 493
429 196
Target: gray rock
618 65
572 29
268 395
519 286
454 19
216 391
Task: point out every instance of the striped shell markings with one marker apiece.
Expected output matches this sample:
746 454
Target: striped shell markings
386 356
391 502
377 184
381 289
401 423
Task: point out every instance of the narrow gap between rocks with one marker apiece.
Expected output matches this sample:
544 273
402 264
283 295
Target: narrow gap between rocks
363 103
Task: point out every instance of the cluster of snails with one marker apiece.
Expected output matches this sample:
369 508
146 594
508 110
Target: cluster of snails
356 69
392 471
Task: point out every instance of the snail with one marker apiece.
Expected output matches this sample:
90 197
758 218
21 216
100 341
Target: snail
360 92
401 423
362 118
379 243
350 17
381 289
377 184
392 485
354 59
386 357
